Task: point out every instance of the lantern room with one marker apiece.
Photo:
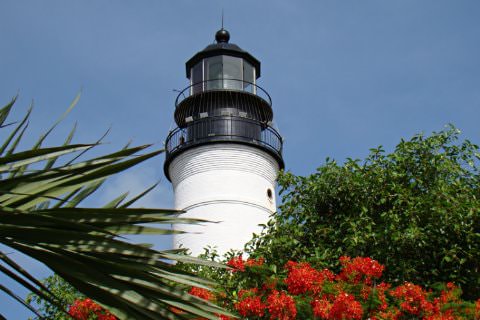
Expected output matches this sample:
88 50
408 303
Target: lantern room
222 65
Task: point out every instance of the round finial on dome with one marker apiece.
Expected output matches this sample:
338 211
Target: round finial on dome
222 35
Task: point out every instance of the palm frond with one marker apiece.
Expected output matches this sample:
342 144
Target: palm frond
40 217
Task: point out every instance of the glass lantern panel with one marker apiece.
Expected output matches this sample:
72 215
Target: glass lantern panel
248 77
197 78
232 73
213 68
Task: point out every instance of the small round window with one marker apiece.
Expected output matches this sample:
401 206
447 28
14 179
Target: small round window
269 194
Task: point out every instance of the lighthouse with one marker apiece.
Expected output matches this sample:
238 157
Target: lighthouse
223 158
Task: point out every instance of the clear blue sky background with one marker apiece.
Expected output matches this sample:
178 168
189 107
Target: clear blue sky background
345 76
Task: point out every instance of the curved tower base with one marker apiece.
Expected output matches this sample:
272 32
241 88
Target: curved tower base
231 185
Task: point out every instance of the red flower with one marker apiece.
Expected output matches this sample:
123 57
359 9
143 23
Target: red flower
84 309
450 295
247 293
254 262
365 292
201 293
360 270
281 306
414 299
250 304
392 314
345 307
443 316
303 278
321 307
236 263
381 288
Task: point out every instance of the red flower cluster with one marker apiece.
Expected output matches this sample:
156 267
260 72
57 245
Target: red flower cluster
254 262
302 278
250 304
321 307
342 306
201 293
281 306
352 294
345 307
381 289
238 264
413 299
360 270
86 309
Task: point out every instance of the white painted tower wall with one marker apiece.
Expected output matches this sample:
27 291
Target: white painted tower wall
227 183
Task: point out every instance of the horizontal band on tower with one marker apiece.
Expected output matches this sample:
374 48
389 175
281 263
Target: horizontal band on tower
214 202
223 156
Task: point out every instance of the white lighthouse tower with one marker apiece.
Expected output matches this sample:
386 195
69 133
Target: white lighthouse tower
224 157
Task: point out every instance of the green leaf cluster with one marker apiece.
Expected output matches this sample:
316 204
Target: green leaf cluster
416 210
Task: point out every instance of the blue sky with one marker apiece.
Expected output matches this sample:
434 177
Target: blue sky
344 76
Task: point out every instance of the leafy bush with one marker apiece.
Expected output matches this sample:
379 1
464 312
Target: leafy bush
416 210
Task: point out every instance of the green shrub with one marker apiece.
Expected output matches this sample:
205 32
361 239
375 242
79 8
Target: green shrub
416 210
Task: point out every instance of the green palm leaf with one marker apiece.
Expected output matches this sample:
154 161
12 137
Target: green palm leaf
40 217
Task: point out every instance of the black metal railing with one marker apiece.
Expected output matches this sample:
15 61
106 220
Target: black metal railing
222 85
224 128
